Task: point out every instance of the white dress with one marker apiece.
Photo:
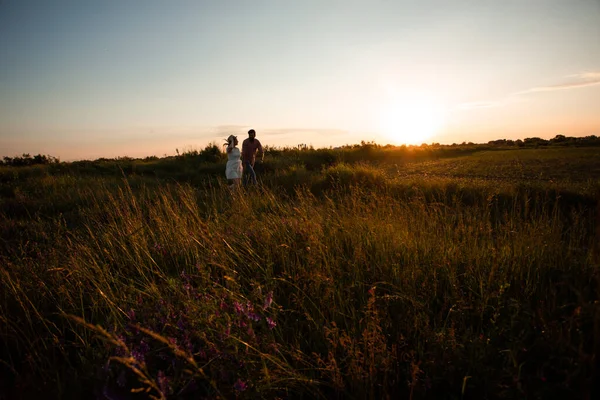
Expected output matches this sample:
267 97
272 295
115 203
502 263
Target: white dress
234 169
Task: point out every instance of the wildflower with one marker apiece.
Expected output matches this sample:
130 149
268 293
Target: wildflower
273 348
240 385
270 323
239 309
141 351
138 355
254 316
131 315
163 382
268 300
184 276
160 249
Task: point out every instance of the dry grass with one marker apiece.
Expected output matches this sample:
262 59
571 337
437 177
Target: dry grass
358 284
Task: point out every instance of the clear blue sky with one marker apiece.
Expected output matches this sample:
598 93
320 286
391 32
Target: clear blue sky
105 78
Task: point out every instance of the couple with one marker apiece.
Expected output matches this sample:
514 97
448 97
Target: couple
234 170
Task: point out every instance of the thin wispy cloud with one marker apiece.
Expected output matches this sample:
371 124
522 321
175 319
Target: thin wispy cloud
302 131
575 81
584 79
226 130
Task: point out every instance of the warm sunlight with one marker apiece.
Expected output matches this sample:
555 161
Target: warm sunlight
412 119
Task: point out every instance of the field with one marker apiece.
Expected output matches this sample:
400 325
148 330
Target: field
363 272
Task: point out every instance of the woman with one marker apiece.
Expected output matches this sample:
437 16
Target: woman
233 170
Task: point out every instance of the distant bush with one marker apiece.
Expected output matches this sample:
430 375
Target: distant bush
558 140
211 154
26 159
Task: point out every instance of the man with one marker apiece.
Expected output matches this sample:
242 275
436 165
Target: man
250 147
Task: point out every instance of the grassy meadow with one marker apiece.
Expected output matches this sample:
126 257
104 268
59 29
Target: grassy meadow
365 272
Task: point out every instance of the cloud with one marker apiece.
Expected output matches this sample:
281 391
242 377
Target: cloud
584 79
302 131
588 75
226 130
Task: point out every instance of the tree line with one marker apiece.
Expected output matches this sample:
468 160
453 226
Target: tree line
212 153
26 160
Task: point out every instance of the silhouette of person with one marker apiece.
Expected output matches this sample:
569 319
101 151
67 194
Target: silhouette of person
250 148
233 169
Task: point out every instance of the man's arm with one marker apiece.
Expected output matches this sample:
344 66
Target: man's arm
244 149
260 151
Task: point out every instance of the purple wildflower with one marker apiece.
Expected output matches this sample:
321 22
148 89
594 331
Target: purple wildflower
254 316
163 382
160 249
140 352
184 276
138 355
271 324
131 315
240 385
239 309
268 300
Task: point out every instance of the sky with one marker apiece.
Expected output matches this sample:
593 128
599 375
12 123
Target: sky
86 79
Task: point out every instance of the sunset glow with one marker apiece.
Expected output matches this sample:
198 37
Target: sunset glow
84 79
413 119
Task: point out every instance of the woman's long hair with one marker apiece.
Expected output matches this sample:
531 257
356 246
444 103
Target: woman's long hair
229 141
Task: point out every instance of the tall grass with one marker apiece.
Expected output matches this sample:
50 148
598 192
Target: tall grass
351 283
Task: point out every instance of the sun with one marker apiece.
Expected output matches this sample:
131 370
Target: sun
412 119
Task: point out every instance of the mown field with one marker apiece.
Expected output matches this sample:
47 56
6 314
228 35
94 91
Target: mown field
364 272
